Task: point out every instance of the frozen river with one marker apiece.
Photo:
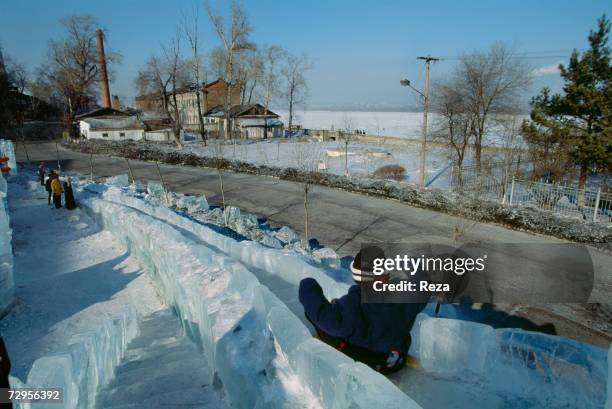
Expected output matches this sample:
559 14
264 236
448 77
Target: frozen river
399 124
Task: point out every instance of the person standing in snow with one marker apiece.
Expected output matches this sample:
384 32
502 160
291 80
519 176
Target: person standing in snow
41 173
376 334
69 195
56 189
48 186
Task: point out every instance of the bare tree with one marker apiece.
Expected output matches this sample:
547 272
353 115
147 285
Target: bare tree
217 147
272 56
346 134
234 39
197 72
512 147
154 79
306 157
490 83
19 76
163 77
175 65
454 122
296 87
249 72
72 64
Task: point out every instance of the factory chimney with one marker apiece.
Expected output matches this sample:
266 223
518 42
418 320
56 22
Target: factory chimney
104 90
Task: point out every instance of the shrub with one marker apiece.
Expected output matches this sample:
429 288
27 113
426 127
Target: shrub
394 172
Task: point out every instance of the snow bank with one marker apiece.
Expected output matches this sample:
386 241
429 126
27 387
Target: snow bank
7 148
86 364
542 367
550 370
245 330
7 283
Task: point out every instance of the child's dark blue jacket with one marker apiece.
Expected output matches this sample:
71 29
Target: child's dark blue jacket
377 327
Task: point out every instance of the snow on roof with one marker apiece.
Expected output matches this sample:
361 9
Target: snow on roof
246 122
130 122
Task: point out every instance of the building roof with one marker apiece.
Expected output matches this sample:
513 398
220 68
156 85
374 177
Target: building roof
237 111
102 112
215 82
181 90
115 124
260 122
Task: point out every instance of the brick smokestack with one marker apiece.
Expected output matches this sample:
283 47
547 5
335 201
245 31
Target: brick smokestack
116 104
104 90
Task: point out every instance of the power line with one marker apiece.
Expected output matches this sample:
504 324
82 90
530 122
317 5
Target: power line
529 55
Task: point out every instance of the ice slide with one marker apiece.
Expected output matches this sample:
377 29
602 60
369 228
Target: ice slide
262 354
468 361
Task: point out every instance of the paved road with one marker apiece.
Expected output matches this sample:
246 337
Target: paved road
338 219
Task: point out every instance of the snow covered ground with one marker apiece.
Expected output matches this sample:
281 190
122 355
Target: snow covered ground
363 158
70 276
79 298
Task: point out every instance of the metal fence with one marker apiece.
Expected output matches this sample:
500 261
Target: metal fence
588 204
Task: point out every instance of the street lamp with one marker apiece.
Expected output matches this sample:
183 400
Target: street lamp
406 83
425 96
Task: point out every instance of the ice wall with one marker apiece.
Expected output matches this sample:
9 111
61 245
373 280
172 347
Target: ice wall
550 370
542 367
281 262
7 283
7 148
242 327
86 364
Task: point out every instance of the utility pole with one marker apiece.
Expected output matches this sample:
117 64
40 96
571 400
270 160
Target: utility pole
428 59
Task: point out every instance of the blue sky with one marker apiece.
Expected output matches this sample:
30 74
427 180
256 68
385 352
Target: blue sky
360 49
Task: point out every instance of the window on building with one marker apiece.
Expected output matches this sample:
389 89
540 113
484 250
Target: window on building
105 135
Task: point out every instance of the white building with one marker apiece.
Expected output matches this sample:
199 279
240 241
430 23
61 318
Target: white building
114 125
112 129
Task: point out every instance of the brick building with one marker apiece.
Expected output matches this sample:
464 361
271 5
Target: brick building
211 95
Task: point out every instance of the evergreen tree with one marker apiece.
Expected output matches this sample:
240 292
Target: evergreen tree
577 123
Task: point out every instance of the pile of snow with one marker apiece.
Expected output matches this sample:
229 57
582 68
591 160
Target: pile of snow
7 148
86 364
263 354
7 283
